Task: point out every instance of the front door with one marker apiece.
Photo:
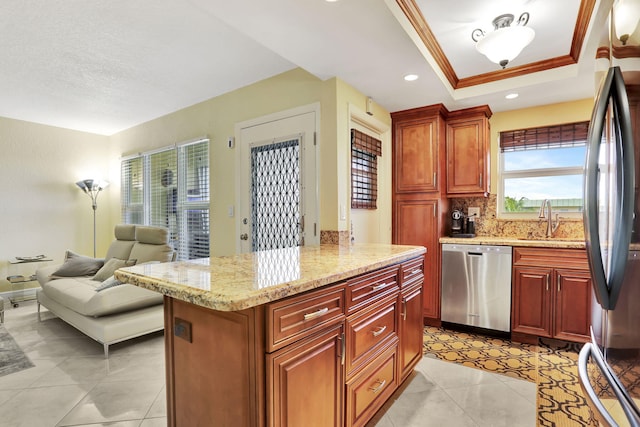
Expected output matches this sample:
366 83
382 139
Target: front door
277 196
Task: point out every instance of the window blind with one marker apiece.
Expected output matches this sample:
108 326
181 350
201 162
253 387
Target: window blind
170 188
364 170
132 190
557 136
193 205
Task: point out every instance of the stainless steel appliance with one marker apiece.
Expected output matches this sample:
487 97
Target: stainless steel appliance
612 383
476 286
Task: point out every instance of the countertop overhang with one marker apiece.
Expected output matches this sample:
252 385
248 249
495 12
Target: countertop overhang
515 241
247 280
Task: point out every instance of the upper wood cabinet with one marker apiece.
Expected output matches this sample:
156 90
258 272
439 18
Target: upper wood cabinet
416 137
468 152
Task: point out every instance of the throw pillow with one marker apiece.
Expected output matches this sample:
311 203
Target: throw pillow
78 265
110 266
109 283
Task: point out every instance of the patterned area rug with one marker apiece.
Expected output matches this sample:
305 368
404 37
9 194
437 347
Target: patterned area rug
552 365
12 359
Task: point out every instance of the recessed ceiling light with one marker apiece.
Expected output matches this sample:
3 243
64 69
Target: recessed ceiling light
512 96
411 77
331 1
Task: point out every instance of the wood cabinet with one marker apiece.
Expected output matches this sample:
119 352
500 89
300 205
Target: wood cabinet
305 381
468 152
410 351
419 207
329 357
552 294
416 149
417 223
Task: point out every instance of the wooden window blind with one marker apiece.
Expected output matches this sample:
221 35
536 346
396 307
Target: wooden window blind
365 150
557 136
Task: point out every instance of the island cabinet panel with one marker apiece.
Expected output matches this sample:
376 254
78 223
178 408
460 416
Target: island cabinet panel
290 319
410 321
552 294
468 152
206 386
331 356
369 390
370 331
305 381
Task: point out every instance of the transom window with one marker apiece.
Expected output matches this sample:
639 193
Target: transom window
542 163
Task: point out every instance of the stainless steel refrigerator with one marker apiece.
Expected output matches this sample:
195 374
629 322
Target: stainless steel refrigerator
609 366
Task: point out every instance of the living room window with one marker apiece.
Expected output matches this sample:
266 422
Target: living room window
542 163
169 187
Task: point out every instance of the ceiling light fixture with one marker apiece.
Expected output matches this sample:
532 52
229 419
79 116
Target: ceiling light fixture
411 77
625 18
511 95
506 41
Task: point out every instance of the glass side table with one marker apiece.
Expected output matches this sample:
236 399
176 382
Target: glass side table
24 268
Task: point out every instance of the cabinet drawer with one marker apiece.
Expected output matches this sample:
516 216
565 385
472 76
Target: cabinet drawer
294 318
368 391
411 271
369 331
368 288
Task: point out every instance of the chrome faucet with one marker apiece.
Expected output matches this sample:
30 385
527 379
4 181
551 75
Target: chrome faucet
551 227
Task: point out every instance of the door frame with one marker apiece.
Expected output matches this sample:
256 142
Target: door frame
280 115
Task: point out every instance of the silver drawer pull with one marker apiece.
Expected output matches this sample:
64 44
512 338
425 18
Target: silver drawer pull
315 314
416 271
378 287
379 331
380 386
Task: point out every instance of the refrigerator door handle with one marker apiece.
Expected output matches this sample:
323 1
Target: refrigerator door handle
608 288
592 398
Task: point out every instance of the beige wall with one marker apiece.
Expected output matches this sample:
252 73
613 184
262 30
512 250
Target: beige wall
217 118
552 114
42 211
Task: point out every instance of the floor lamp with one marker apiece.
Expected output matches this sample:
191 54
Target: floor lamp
92 188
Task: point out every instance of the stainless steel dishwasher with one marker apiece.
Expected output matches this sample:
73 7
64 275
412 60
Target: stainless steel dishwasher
476 286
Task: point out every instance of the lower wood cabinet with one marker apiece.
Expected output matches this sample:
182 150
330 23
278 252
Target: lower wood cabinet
305 381
416 223
328 357
410 351
552 294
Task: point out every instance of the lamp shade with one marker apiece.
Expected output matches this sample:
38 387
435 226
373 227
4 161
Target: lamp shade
626 14
504 44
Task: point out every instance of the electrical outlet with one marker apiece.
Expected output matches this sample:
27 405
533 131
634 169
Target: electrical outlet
472 211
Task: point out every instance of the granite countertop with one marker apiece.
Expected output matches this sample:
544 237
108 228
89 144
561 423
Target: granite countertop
248 280
561 243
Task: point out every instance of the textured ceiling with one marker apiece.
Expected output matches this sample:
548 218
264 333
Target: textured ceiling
103 66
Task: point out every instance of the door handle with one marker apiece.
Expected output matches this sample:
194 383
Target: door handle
244 236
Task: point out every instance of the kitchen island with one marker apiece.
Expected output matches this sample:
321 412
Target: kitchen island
308 336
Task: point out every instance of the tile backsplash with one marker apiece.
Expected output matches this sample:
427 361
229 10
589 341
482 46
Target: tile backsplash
490 225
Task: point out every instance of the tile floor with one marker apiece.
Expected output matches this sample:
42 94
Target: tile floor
73 385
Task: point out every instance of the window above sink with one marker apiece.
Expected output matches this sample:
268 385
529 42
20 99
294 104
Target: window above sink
541 163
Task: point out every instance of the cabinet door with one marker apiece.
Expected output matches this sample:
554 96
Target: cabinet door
416 156
572 317
467 157
411 329
531 305
416 224
305 381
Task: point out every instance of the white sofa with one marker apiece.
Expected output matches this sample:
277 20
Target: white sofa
97 304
